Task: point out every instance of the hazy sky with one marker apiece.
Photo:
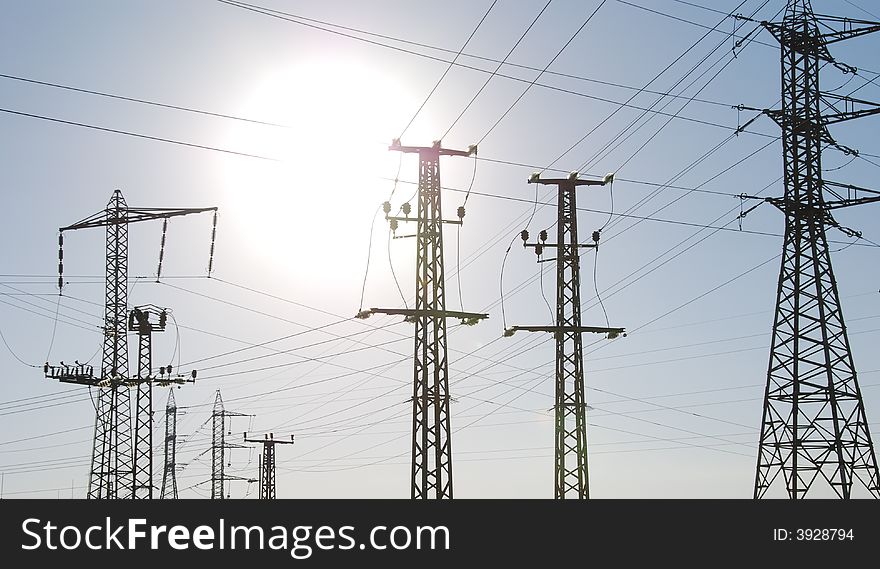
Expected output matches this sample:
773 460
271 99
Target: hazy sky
675 407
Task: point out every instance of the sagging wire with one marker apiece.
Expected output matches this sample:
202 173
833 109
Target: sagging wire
544 296
372 227
177 350
5 343
369 254
596 284
504 261
393 273
461 212
54 328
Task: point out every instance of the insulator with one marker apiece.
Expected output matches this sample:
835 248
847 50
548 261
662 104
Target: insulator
169 369
406 208
524 234
596 236
193 374
539 249
163 318
393 224
46 367
386 207
213 240
460 212
60 240
543 235
162 248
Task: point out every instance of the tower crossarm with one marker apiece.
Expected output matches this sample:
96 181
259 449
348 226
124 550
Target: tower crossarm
134 215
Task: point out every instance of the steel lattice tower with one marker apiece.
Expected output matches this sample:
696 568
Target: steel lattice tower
112 473
169 476
571 475
267 463
144 320
219 446
431 431
814 425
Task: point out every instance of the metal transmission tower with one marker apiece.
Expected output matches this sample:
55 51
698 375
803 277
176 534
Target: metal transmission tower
113 467
431 432
144 320
169 476
814 425
267 463
219 446
571 474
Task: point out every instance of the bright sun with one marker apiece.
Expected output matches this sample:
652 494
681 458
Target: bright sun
333 156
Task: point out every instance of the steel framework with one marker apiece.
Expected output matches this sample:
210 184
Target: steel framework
571 475
113 467
267 462
431 432
169 475
814 425
219 444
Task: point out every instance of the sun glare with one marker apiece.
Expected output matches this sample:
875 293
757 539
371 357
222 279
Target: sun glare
333 161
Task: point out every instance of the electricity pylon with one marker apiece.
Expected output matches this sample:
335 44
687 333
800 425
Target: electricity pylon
112 470
571 478
219 445
267 462
144 321
814 425
169 476
431 432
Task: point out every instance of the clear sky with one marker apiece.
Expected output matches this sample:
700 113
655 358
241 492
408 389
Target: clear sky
675 407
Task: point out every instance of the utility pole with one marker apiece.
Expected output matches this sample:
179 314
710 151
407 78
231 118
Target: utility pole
431 432
144 320
169 476
571 479
219 446
112 473
814 426
267 462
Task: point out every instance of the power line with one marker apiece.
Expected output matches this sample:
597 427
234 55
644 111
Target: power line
448 69
495 71
137 135
534 81
137 100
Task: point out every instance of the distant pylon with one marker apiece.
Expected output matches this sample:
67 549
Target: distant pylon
169 476
571 475
814 425
267 462
219 444
431 433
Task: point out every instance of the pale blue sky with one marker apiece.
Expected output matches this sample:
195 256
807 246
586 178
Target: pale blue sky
676 406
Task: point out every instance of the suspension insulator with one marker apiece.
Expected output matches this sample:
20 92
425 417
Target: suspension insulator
524 234
386 207
543 235
406 208
163 319
595 236
460 212
539 250
169 369
393 224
